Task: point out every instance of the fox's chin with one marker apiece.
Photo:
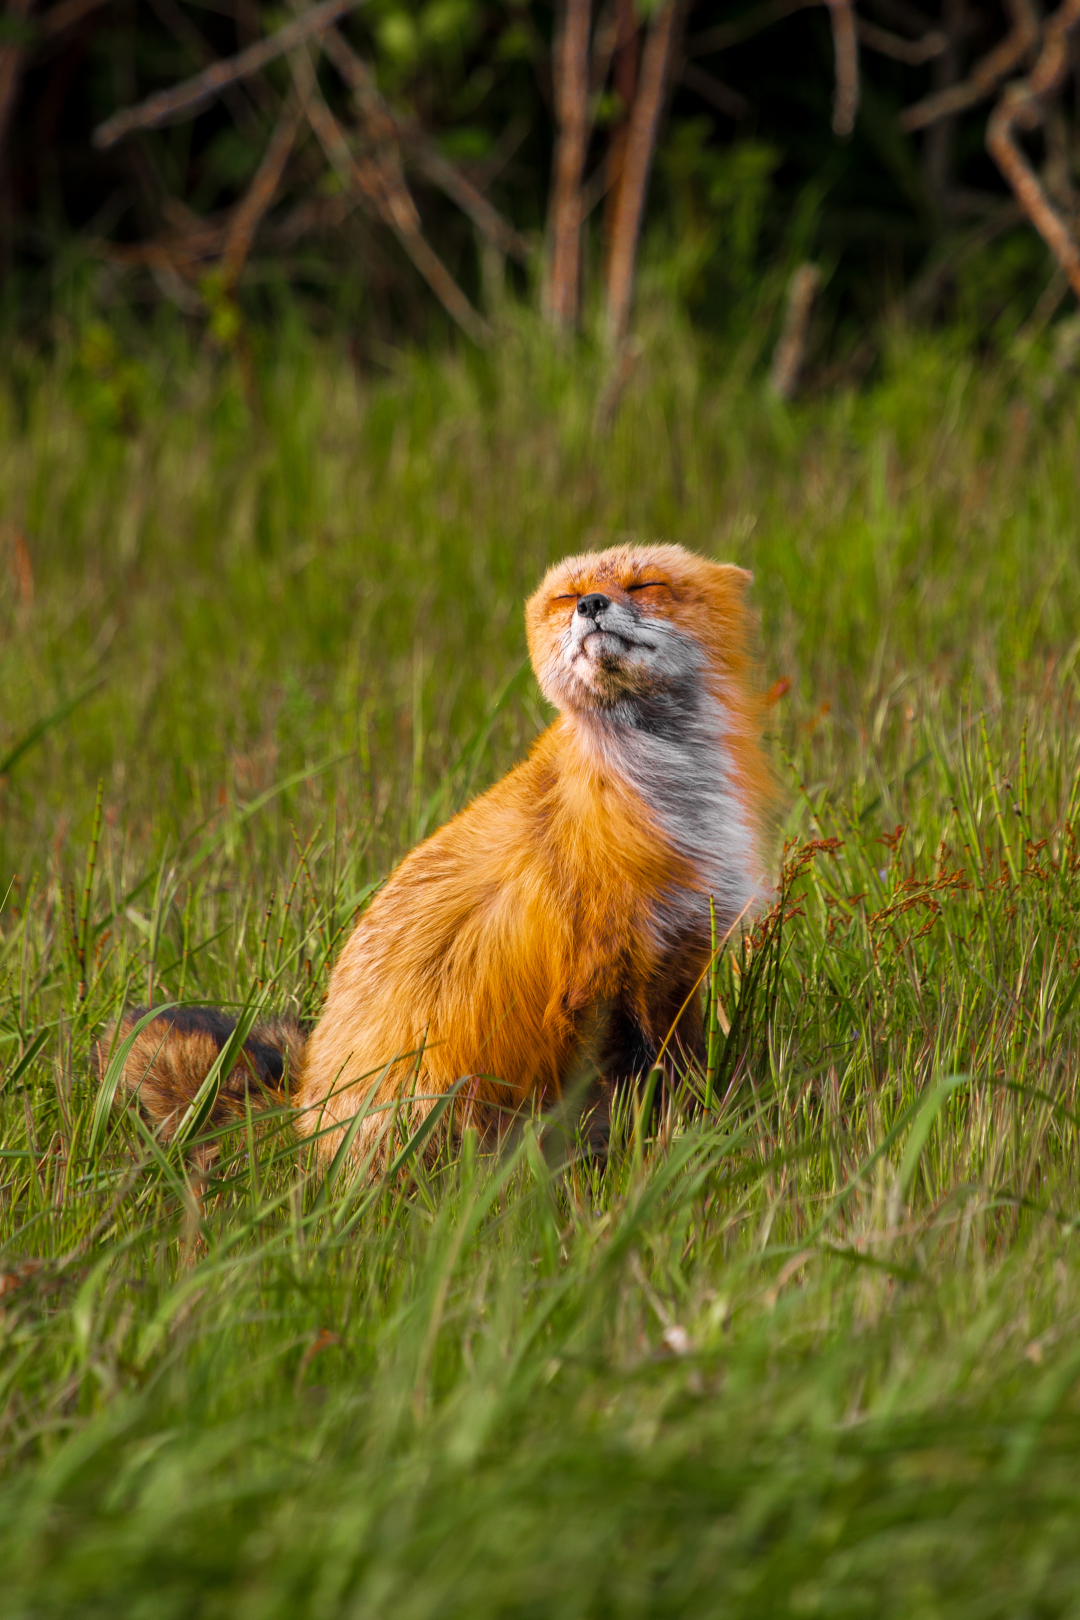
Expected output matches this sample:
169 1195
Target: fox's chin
602 657
599 678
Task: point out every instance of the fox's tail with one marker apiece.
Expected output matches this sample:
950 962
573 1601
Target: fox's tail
172 1056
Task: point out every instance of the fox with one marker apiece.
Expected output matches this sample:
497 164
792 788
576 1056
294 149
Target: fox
566 913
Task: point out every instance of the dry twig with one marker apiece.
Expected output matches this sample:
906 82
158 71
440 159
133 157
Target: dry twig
380 186
932 41
469 198
724 35
986 75
66 14
382 124
633 183
1023 106
167 105
846 50
625 63
260 194
912 52
714 91
572 115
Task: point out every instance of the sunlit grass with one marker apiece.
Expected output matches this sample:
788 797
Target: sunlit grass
812 1353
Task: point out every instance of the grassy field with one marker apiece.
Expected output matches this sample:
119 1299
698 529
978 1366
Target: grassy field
814 1353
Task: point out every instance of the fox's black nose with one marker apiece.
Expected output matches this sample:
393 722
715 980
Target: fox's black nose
591 606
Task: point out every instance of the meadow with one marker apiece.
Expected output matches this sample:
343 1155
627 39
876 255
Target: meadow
811 1350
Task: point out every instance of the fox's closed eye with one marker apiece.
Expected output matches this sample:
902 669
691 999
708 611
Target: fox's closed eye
573 596
649 585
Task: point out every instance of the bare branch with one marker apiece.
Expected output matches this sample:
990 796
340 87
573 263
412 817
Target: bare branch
714 91
381 187
572 115
381 123
902 14
66 14
846 50
634 181
186 34
460 190
167 105
724 35
913 52
1023 106
260 194
986 75
604 43
625 67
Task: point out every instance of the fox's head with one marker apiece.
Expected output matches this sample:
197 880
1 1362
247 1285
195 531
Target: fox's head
636 622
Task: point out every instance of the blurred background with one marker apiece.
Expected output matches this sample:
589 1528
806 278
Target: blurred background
396 167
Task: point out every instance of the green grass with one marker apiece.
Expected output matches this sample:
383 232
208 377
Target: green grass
813 1354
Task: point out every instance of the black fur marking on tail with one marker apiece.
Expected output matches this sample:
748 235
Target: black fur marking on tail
267 1061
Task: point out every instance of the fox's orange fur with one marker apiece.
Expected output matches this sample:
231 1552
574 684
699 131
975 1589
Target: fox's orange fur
574 894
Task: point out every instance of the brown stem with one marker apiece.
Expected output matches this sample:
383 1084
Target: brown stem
714 91
846 51
624 80
197 92
472 202
260 194
175 22
913 52
1023 106
724 35
633 185
380 123
66 14
561 294
381 188
986 75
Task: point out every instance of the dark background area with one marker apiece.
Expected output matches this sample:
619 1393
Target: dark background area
749 176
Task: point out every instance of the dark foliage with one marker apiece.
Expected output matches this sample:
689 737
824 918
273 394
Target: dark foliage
750 174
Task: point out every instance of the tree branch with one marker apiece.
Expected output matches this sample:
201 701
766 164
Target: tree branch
1023 106
381 122
260 194
912 52
634 181
380 186
985 76
167 105
714 91
846 49
561 291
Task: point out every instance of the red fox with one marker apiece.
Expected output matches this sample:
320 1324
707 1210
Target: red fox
572 897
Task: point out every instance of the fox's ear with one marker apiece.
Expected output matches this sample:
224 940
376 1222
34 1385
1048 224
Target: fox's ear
733 577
